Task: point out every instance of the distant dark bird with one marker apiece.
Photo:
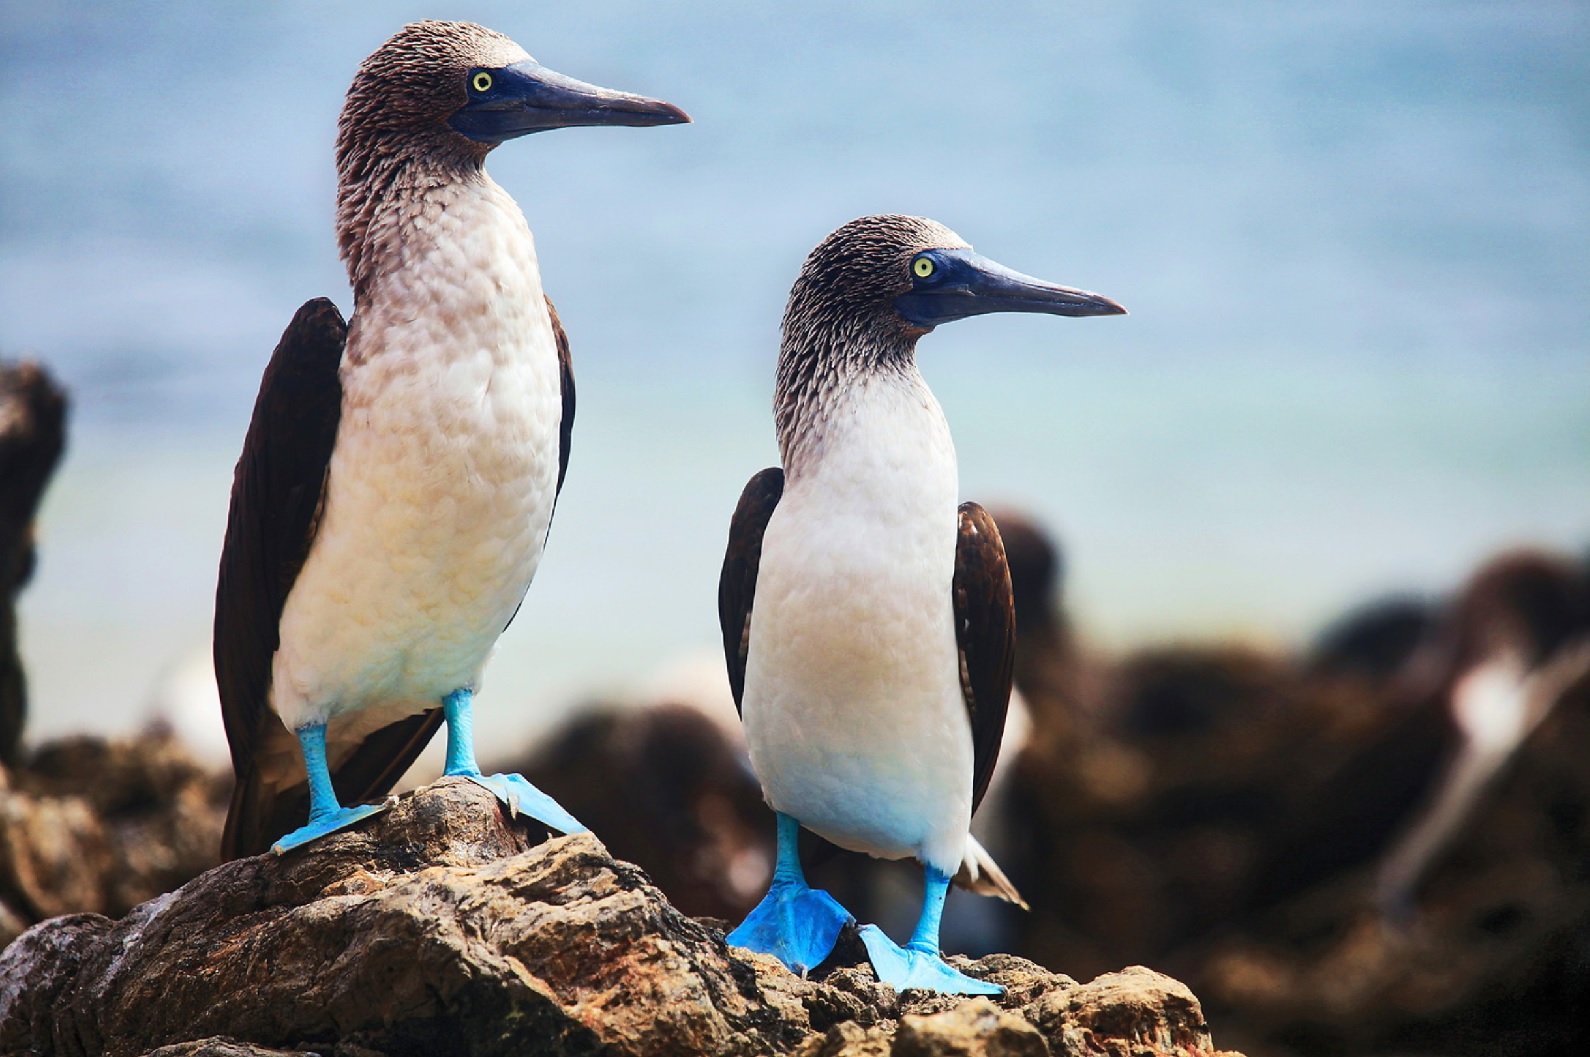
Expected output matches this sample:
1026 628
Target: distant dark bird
1489 668
399 475
867 624
1517 642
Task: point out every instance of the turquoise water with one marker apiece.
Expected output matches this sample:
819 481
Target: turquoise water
1352 237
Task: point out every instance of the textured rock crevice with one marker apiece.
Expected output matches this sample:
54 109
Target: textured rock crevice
440 928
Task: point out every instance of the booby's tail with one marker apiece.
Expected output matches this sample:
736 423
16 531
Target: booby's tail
979 873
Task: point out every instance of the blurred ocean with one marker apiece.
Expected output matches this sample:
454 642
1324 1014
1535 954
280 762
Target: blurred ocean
1353 237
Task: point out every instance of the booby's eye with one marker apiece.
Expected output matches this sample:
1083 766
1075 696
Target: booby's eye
481 82
923 267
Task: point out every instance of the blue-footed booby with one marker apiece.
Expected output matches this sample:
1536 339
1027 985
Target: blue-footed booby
1516 644
867 622
399 475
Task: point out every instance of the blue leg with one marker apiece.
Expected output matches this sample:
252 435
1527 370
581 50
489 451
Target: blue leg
325 814
794 922
918 963
521 797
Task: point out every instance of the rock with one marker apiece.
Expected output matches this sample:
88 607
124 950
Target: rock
90 825
32 437
440 927
689 811
221 1047
1133 1013
973 1029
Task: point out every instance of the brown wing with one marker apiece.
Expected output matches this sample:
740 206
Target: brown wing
276 496
737 583
985 632
566 379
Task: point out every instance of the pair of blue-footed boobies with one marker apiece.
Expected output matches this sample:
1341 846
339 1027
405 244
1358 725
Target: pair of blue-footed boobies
400 473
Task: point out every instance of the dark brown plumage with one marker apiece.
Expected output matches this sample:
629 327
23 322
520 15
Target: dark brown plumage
985 632
737 579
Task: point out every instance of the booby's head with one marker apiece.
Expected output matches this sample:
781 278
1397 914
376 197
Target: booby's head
426 108
1524 613
1529 604
459 88
901 276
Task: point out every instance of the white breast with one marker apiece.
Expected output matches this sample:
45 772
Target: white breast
853 708
441 487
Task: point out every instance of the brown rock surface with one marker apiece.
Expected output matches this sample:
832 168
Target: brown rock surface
689 810
439 928
90 825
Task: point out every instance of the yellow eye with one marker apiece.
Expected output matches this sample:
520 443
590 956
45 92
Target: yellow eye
481 81
922 267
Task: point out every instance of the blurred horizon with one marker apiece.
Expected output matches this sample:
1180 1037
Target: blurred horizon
1351 236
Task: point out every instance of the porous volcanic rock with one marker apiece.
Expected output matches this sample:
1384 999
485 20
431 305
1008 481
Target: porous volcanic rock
440 927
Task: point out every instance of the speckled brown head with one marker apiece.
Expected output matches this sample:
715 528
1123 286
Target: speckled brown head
902 276
428 106
1527 603
406 90
877 284
860 269
458 88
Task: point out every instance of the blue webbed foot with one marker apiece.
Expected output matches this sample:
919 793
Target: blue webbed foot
326 813
794 923
331 822
523 798
918 966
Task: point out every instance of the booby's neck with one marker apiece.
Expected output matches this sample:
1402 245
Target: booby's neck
828 354
386 187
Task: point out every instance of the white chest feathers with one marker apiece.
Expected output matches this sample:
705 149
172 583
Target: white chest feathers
853 708
441 487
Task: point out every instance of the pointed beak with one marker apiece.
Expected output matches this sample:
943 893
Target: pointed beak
968 284
527 97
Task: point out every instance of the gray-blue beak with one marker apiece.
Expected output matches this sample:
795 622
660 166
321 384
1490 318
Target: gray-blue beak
952 284
527 97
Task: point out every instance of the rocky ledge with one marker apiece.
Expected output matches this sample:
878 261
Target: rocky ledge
441 927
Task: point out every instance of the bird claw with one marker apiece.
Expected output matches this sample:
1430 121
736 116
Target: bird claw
314 829
903 967
522 798
794 923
